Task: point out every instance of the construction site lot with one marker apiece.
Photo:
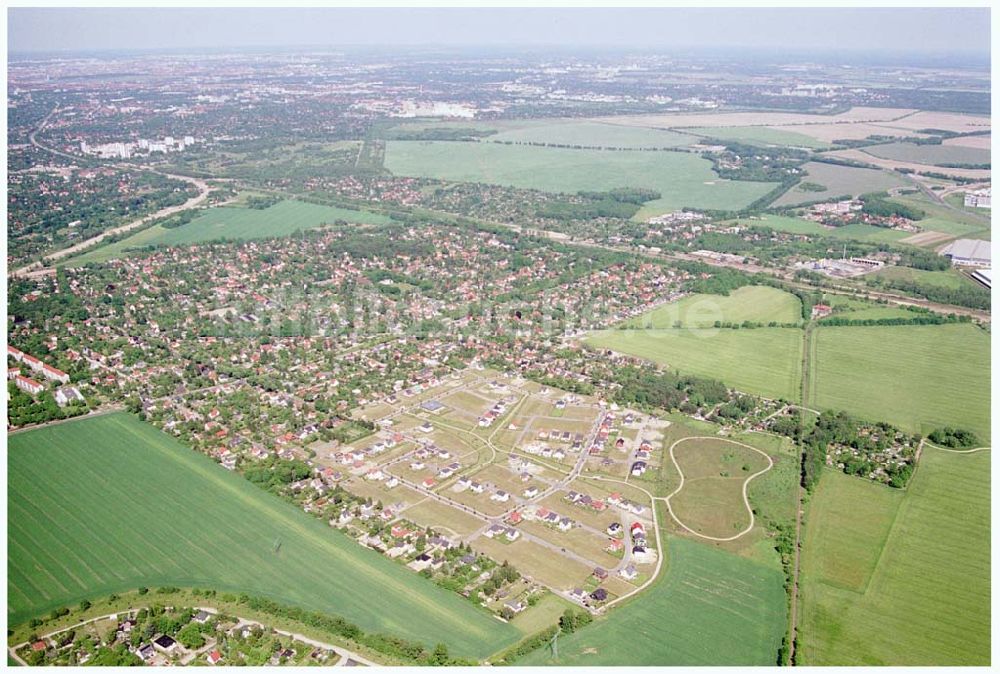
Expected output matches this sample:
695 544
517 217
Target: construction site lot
523 473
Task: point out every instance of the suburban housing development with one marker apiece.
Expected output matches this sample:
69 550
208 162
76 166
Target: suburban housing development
370 352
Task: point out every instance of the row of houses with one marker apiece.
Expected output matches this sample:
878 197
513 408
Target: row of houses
37 366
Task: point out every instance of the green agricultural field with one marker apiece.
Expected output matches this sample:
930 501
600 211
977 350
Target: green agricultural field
709 607
764 361
893 578
592 134
109 503
930 154
583 132
860 232
948 279
839 181
918 377
750 303
858 309
282 219
760 135
682 178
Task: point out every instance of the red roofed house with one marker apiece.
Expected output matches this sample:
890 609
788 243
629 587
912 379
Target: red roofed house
28 385
32 362
55 374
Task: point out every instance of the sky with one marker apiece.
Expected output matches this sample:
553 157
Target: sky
926 30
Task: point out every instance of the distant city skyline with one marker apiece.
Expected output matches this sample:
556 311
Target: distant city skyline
929 31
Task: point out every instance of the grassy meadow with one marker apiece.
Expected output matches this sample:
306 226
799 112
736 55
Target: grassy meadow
750 303
760 135
918 377
763 361
281 219
930 154
109 503
683 179
899 578
947 279
709 607
859 231
839 181
711 502
584 132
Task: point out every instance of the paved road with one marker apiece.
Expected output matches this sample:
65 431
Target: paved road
38 269
659 543
934 196
35 269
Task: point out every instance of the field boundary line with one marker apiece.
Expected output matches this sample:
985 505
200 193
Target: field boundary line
746 485
957 451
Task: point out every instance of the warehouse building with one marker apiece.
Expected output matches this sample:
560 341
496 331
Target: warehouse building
968 253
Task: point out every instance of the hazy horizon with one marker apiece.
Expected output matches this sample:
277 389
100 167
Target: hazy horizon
930 32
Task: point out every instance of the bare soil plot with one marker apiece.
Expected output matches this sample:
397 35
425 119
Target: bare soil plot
839 181
503 478
931 155
536 561
584 543
377 491
479 502
948 121
979 142
927 238
858 155
828 133
666 121
469 402
431 513
597 519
